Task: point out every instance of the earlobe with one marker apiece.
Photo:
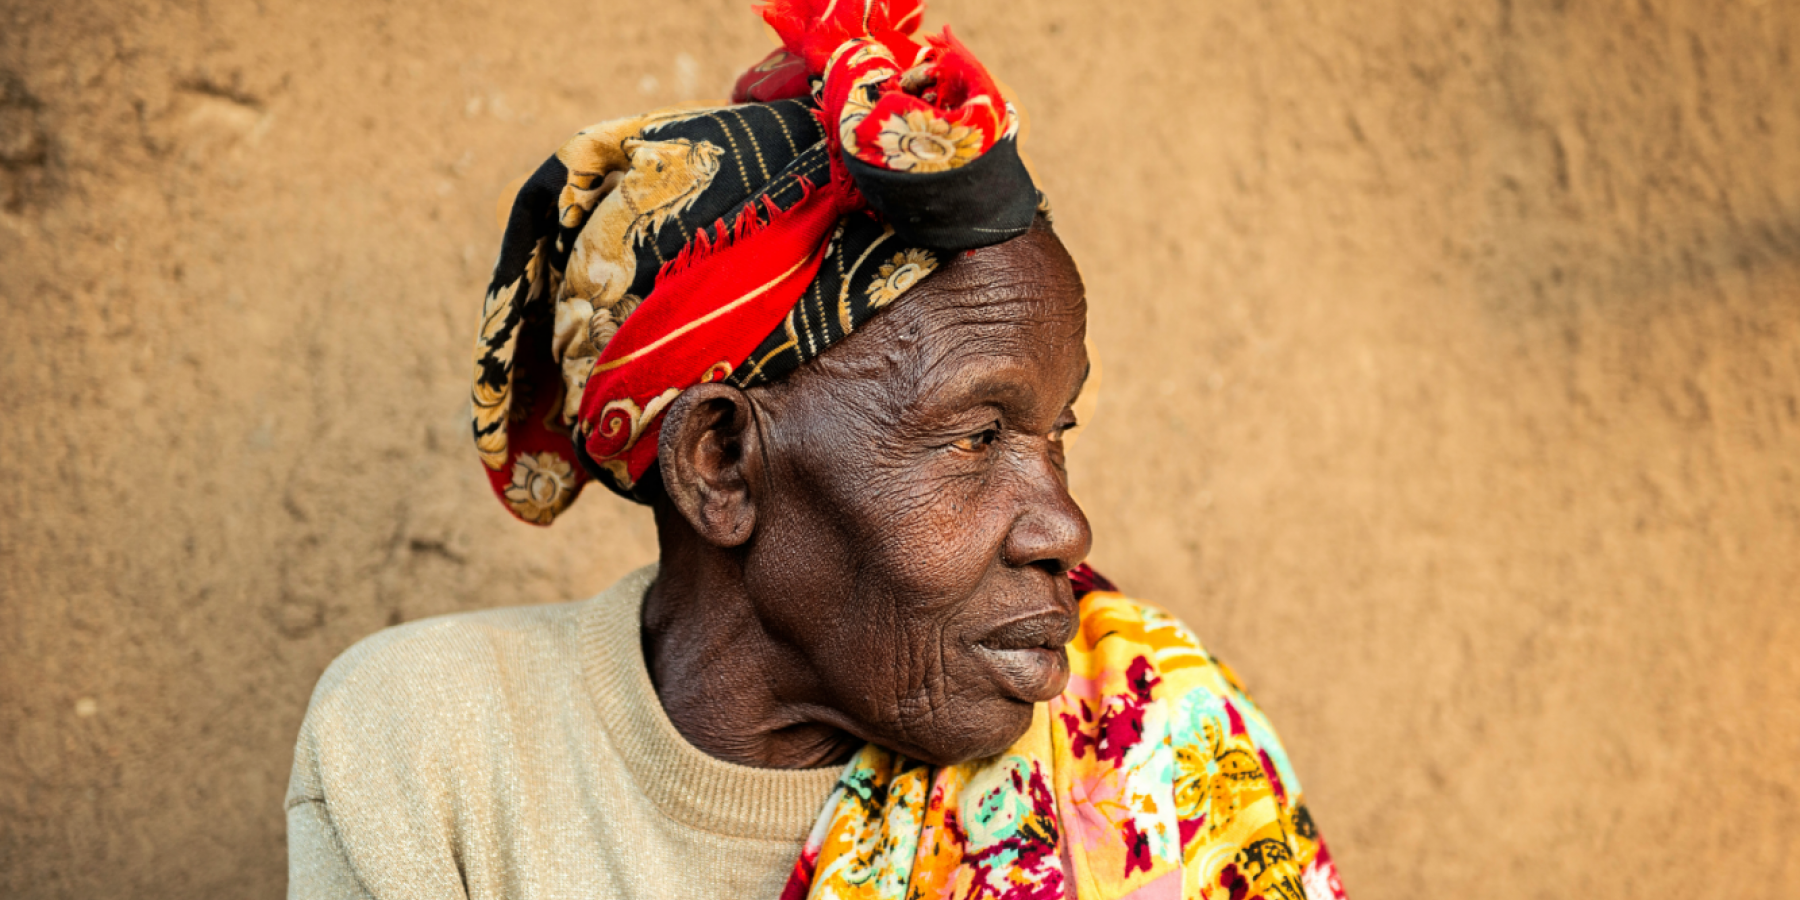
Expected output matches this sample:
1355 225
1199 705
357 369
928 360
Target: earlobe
710 454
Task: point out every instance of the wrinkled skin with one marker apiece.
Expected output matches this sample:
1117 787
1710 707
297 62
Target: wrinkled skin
874 549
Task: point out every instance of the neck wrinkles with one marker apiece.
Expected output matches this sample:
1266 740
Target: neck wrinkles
730 689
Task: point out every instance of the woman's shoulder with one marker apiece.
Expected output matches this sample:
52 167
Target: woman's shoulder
1138 676
1153 719
437 655
449 659
438 690
1128 645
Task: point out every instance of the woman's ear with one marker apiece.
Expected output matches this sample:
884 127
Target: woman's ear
710 458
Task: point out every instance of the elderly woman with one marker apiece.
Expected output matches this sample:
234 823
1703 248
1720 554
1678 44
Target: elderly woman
827 334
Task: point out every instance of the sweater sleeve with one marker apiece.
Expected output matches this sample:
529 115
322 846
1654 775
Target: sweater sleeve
368 804
318 867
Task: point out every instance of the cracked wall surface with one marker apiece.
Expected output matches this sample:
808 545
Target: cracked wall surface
1451 390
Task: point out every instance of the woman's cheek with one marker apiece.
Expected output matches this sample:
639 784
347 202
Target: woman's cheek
955 521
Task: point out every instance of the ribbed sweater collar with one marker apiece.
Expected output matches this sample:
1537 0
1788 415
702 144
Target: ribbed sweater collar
685 783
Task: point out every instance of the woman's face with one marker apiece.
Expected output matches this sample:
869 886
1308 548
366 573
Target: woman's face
916 528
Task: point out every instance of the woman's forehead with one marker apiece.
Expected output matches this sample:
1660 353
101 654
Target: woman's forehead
1018 361
1037 258
994 310
1005 350
1016 290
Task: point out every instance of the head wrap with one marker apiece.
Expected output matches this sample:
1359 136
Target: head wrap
732 243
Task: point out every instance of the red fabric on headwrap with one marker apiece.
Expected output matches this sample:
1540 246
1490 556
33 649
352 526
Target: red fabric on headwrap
704 319
910 106
956 89
780 76
814 29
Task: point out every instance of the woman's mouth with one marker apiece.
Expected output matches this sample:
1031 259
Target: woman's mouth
1027 657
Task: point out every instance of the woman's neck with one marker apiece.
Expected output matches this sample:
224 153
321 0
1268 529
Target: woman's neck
729 688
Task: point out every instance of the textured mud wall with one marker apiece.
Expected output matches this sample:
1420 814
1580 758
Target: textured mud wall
1451 389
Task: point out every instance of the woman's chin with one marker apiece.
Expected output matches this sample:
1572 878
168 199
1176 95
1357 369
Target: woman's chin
989 728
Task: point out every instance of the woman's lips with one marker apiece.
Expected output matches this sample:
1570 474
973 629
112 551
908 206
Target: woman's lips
1032 675
1027 655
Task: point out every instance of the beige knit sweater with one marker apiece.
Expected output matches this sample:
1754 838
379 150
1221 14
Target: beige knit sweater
522 753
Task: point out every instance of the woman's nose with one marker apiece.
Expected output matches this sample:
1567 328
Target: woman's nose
1050 531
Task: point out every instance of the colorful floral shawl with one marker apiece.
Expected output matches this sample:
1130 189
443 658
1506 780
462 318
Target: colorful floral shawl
1152 776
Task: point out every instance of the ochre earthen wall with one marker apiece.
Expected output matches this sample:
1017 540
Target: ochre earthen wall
1451 390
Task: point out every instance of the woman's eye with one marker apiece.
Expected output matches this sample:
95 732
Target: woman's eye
977 442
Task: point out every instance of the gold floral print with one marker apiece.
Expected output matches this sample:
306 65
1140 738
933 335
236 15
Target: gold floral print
581 334
920 141
865 87
1192 782
605 323
898 275
542 486
493 399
